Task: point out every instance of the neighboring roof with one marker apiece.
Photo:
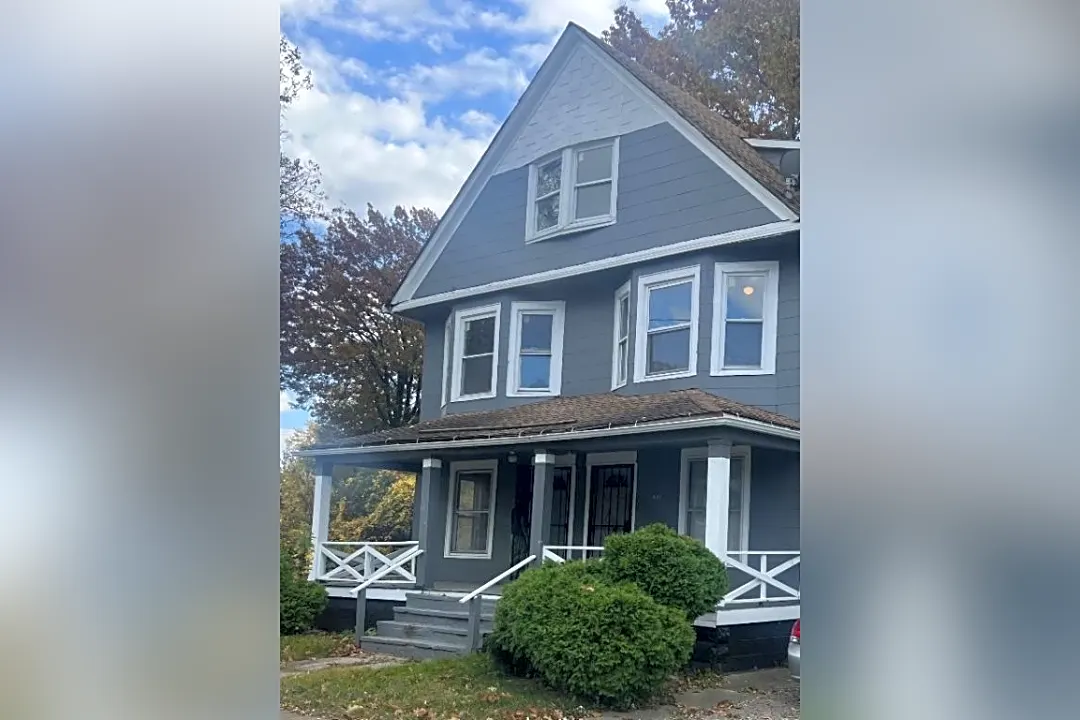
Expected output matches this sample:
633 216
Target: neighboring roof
761 177
572 414
720 131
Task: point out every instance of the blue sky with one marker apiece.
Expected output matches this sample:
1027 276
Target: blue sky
408 93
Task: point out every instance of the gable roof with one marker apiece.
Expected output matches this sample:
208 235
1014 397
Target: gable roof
721 132
720 139
567 415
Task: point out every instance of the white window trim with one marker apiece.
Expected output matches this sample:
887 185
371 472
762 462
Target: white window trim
567 196
742 451
771 303
555 308
627 457
641 322
620 294
448 328
460 318
470 466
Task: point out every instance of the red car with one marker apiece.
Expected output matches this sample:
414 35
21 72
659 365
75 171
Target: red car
793 648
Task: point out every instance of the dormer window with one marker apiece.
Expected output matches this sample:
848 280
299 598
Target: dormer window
573 190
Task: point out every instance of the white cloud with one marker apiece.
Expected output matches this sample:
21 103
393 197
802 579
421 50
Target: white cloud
477 73
386 151
551 16
284 401
286 435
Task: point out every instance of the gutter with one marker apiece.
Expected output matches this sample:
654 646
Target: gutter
727 421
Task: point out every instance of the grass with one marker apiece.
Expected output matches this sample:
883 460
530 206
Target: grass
316 645
467 688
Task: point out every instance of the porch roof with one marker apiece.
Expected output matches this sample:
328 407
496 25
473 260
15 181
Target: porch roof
579 415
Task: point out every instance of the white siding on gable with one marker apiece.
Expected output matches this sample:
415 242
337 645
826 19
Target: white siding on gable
586 102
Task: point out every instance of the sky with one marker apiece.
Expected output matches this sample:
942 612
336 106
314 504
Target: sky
408 93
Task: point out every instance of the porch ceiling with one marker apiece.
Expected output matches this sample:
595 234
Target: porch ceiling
566 418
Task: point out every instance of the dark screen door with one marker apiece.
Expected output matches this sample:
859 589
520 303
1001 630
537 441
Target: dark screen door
611 501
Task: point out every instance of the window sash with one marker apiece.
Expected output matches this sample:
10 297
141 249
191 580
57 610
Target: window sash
457 514
461 330
766 318
568 187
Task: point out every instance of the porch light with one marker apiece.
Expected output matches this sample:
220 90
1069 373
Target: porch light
748 290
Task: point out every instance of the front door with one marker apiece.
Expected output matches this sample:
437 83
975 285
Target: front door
611 502
521 515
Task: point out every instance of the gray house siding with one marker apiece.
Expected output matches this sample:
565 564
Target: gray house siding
774 510
588 333
668 192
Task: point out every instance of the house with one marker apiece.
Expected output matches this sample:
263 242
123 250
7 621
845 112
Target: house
611 313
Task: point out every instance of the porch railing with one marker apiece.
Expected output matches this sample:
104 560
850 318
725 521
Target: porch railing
765 577
352 563
562 553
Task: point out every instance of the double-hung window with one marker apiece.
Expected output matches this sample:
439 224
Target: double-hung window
620 360
695 497
536 338
574 189
744 318
471 509
667 325
476 349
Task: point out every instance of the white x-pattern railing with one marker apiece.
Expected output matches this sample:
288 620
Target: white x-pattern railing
770 566
355 562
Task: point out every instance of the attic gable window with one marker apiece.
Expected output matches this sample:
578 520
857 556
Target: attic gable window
573 190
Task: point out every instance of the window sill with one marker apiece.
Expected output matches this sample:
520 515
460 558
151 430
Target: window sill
666 376
741 372
527 394
467 398
572 228
467 556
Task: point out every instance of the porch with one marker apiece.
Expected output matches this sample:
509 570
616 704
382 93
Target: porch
482 515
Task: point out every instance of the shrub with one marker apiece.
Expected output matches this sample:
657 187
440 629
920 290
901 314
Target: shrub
675 570
581 634
300 601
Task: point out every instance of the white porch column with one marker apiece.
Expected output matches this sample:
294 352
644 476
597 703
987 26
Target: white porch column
320 518
717 488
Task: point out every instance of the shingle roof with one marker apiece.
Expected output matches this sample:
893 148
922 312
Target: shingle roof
720 131
566 414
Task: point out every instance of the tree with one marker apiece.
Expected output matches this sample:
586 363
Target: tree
343 353
300 183
738 57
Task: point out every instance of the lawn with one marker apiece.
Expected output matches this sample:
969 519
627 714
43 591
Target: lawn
316 645
467 688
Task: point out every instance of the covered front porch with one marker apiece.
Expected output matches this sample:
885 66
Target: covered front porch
487 508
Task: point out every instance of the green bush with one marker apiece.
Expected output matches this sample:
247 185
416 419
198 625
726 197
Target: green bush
584 635
300 601
675 570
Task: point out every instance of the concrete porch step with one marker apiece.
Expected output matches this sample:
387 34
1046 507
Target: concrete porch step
440 618
440 601
411 648
426 632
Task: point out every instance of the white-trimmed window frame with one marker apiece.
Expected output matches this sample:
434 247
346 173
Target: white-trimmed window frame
656 281
470 466
691 454
448 328
620 375
557 310
461 317
567 195
770 305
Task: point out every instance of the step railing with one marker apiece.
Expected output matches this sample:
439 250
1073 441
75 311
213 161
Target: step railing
475 600
562 553
765 578
360 591
355 562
